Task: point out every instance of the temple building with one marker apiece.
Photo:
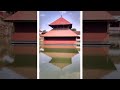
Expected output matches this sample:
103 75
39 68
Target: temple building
61 33
25 26
95 27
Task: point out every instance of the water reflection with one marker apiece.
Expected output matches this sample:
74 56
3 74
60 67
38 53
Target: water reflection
101 62
59 62
17 61
114 55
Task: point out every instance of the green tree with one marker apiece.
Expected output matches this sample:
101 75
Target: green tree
73 29
44 31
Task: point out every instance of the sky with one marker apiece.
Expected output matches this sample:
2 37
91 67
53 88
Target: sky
47 17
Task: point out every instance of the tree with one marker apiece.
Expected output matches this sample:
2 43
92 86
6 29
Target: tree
44 31
73 29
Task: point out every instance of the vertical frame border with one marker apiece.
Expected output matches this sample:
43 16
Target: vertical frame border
38 67
81 45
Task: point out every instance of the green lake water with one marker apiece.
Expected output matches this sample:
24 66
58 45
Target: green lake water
16 62
101 62
59 63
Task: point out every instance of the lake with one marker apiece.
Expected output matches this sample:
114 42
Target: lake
17 61
101 62
59 62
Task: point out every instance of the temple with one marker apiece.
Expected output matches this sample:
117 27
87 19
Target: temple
25 26
95 27
61 33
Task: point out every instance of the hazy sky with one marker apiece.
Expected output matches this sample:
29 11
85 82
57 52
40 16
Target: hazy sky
47 17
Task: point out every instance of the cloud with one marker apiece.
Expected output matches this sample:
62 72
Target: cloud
42 15
62 12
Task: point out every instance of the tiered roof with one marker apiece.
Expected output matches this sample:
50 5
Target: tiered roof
63 32
60 33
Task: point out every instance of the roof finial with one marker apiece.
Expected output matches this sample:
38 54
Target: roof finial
61 13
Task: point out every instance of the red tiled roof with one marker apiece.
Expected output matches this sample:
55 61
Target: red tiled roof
60 21
114 13
60 33
97 15
22 16
95 36
77 32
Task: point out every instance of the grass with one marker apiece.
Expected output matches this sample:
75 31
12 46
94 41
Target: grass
98 62
60 50
61 60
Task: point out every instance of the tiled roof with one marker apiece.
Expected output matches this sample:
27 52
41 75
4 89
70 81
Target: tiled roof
97 15
60 21
60 33
114 13
22 16
77 32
